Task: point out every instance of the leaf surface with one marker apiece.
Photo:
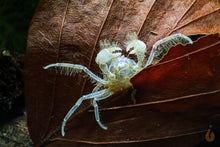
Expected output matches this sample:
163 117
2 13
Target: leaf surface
69 31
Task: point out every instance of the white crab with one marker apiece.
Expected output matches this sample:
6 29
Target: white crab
117 69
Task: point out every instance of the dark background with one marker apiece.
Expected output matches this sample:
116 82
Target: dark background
15 17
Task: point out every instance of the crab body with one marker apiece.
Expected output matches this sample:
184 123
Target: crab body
117 69
121 69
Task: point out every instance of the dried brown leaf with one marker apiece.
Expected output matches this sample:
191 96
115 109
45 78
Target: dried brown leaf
69 31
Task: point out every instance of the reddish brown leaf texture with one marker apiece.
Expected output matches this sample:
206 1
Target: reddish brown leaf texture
173 97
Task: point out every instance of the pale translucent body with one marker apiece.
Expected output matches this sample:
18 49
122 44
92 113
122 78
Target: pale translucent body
116 68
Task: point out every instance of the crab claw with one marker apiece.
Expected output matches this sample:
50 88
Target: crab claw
105 56
107 53
138 46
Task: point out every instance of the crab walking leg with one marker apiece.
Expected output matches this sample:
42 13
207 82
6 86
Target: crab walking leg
173 39
96 109
77 67
77 104
97 87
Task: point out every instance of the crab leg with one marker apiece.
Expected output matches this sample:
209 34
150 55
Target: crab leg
97 87
78 103
173 40
96 110
76 67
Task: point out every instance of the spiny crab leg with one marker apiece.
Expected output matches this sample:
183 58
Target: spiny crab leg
76 67
97 87
173 40
78 103
96 109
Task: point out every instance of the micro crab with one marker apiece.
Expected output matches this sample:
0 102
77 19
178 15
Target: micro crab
117 69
